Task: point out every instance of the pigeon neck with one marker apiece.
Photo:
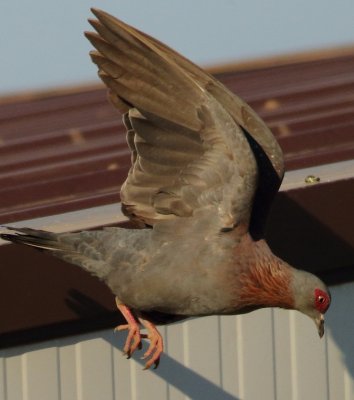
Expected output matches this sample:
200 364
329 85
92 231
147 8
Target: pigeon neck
266 280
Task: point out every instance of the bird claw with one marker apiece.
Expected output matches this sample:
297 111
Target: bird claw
154 360
154 350
133 341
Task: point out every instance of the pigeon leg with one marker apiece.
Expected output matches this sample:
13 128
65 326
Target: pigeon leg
134 338
156 344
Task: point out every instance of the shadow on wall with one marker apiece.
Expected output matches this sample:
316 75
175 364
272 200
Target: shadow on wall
174 373
340 325
171 371
178 375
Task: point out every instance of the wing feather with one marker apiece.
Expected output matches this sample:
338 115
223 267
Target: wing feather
242 113
189 152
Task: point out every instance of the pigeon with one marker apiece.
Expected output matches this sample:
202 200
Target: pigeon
204 171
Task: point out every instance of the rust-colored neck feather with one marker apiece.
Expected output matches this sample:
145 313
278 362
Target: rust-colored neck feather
266 280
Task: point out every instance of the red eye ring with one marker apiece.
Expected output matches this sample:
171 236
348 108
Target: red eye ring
322 300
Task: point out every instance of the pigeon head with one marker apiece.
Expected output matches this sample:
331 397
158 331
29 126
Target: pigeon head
311 297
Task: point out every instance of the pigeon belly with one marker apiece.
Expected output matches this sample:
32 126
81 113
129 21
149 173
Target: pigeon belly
179 281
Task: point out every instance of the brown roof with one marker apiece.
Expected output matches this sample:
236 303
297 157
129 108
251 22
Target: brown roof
65 151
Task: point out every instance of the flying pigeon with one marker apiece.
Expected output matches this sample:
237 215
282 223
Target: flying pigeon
204 171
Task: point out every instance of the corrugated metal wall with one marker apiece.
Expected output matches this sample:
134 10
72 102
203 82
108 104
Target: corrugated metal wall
269 354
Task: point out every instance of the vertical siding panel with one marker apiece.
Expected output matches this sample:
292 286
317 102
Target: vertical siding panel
336 373
282 356
2 379
14 384
67 372
175 341
348 386
175 350
133 380
204 348
186 348
229 354
240 357
311 366
121 366
94 369
41 374
258 352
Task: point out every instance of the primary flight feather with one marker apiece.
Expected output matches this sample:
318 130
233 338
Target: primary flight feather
205 169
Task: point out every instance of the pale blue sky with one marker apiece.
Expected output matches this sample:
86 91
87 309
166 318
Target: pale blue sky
42 45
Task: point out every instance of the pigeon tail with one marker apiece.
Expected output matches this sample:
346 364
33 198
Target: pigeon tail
42 240
70 247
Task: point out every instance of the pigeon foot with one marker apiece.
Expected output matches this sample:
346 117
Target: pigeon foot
133 341
155 348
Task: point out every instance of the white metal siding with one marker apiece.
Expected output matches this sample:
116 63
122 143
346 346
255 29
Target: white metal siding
268 354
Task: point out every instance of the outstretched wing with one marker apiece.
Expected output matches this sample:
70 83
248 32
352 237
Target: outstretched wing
189 152
240 111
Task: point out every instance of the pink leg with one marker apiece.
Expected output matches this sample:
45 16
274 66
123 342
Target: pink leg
134 338
156 344
133 341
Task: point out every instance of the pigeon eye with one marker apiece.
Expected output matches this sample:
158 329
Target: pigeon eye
322 300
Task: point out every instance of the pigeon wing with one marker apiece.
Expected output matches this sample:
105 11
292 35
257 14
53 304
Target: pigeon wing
189 154
240 111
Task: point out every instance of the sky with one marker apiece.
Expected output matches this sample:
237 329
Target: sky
42 43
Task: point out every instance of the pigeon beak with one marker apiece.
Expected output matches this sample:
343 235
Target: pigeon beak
319 321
